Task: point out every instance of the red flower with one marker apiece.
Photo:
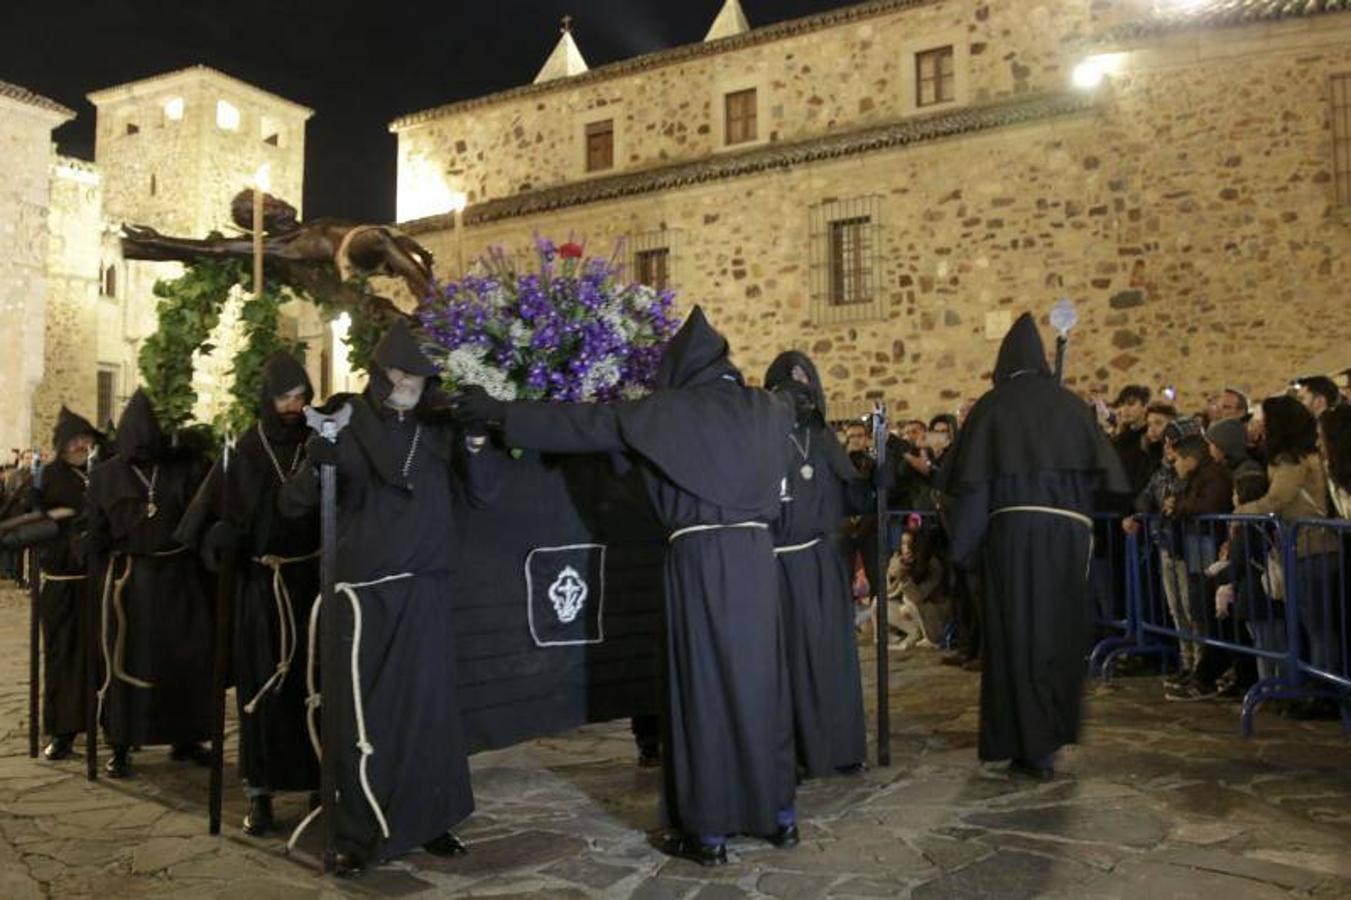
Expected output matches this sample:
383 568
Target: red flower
570 251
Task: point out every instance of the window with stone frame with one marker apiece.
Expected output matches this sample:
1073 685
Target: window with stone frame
1341 138
846 260
600 145
653 267
935 76
655 254
108 281
739 117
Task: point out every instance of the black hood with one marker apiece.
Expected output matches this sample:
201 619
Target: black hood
398 349
139 438
282 373
1022 352
697 354
780 375
69 425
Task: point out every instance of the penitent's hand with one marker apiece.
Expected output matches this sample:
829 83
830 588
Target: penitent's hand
475 409
321 451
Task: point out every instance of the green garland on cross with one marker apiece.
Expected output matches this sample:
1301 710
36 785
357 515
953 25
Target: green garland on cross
189 309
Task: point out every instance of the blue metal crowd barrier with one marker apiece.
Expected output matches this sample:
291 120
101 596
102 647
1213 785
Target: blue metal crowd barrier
1246 587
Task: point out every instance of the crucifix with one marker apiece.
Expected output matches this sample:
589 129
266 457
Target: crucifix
567 24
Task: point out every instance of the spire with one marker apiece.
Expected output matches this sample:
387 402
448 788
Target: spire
566 60
731 20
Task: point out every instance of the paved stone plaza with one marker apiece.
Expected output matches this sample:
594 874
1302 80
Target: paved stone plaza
1162 800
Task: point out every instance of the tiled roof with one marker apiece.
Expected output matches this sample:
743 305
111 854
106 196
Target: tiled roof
24 95
766 158
684 52
1221 13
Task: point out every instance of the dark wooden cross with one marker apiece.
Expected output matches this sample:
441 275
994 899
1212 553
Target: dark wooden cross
567 24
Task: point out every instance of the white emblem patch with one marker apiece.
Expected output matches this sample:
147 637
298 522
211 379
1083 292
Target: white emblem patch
568 594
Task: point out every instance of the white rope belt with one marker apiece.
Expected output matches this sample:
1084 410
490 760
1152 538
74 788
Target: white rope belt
796 548
695 529
114 659
1064 514
44 579
314 698
286 624
1047 510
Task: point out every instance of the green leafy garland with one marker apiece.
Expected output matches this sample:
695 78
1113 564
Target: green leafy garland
190 309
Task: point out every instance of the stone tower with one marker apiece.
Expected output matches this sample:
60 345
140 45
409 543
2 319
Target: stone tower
173 150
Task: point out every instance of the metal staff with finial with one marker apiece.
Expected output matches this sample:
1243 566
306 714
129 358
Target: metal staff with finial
1063 318
34 631
879 579
225 598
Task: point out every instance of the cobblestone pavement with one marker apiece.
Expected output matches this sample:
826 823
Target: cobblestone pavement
1162 800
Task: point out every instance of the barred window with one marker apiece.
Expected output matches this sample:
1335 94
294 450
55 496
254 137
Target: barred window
739 117
935 78
107 393
1341 137
845 242
600 146
655 255
653 267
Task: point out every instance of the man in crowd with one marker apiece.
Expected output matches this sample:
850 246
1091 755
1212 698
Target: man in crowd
157 614
1023 480
277 580
1132 415
1231 403
62 577
1318 393
715 457
402 765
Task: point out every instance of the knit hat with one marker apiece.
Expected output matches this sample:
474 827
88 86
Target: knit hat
1181 429
1231 436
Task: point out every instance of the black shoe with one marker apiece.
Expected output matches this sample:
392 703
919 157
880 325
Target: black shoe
649 756
1180 680
348 865
1191 693
857 768
446 845
190 753
60 747
1021 768
119 764
259 820
688 846
785 838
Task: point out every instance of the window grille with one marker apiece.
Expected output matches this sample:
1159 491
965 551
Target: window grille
845 260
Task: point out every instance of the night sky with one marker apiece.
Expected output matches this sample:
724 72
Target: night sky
358 66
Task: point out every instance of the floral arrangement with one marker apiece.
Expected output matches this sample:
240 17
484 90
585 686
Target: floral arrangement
572 330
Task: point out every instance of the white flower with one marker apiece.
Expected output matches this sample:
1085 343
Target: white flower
470 365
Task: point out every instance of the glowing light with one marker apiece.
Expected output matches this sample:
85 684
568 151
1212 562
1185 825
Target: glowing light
341 325
424 190
173 108
262 177
458 201
1091 72
227 115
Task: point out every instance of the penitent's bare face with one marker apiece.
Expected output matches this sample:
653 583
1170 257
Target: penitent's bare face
407 388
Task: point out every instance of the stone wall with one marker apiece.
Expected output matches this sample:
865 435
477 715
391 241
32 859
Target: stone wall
1189 215
76 226
26 148
814 81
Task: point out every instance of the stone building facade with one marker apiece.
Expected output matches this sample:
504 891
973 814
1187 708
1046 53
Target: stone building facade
920 171
26 123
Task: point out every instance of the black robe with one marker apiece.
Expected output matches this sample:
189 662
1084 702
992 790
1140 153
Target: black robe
271 619
390 525
62 603
712 453
164 617
1029 442
815 587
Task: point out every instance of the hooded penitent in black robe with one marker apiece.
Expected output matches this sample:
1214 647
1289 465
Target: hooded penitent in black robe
276 581
395 473
713 456
63 580
157 613
815 584
1029 443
